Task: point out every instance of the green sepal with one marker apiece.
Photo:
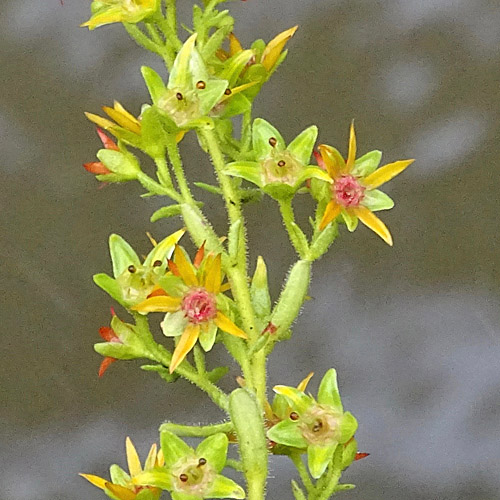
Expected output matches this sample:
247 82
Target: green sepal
164 249
207 337
234 66
162 372
351 221
292 296
311 172
180 74
126 333
318 458
217 373
297 399
146 494
281 406
262 131
122 255
223 487
214 450
160 478
287 433
367 164
320 190
176 495
349 453
328 392
255 73
348 427
123 164
173 285
118 351
376 200
110 286
302 146
237 104
154 83
321 243
174 448
297 491
118 475
174 324
211 95
259 290
248 170
197 68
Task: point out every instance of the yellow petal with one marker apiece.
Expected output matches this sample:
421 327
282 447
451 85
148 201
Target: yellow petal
303 385
151 458
234 45
225 287
352 149
160 459
237 90
95 480
385 173
369 219
180 135
161 303
186 343
134 464
334 162
226 325
332 210
118 107
185 267
274 48
121 492
100 121
213 277
110 16
122 120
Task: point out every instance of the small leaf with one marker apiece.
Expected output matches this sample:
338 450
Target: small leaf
209 188
116 350
162 371
217 373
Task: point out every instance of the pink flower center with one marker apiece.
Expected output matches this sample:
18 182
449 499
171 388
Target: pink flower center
348 191
199 305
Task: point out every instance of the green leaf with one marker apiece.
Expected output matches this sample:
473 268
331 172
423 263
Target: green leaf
174 448
122 255
348 427
156 477
367 164
116 350
287 433
164 212
154 82
174 324
223 487
162 371
110 286
209 188
259 290
248 170
217 373
214 450
302 146
318 458
262 132
118 475
376 200
328 392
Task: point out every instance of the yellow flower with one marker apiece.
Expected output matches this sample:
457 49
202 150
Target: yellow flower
120 11
353 192
122 484
191 296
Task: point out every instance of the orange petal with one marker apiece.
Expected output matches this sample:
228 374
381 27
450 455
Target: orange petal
352 149
213 277
385 173
106 141
303 384
95 480
121 492
105 364
369 219
184 267
157 292
186 343
198 258
226 325
162 303
274 48
332 210
234 45
332 160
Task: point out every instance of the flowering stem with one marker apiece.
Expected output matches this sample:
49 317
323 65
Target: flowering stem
296 235
176 162
163 173
234 464
155 188
197 431
141 39
302 470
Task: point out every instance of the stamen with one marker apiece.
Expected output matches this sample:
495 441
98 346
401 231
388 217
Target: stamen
201 85
281 163
157 263
131 269
184 478
179 96
294 416
227 92
273 141
202 462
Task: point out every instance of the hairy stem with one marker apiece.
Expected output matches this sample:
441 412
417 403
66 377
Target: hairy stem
197 430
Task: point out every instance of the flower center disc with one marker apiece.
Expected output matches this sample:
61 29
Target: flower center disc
199 305
348 191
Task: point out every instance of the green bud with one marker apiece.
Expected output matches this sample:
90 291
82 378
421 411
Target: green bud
259 290
200 229
124 165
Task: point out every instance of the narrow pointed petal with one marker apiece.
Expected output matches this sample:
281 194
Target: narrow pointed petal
226 325
213 277
95 480
96 168
332 160
352 150
198 258
105 364
234 44
151 458
118 107
185 267
122 120
186 343
297 399
369 219
332 210
134 464
109 16
106 141
303 384
318 458
386 173
274 48
162 303
120 491
100 121
165 248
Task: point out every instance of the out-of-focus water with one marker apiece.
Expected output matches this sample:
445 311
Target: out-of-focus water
413 331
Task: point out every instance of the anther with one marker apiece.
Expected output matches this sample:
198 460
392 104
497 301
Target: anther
179 96
273 141
157 263
202 462
294 415
227 92
281 163
131 269
184 478
317 426
201 85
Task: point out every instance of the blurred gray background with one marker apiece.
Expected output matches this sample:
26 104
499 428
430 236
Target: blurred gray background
413 331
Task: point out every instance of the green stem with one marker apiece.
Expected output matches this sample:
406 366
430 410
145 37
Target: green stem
302 470
155 188
163 172
297 237
234 464
199 360
144 41
246 131
197 431
176 162
154 34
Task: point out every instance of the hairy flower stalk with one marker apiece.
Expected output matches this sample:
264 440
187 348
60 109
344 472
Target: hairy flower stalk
209 302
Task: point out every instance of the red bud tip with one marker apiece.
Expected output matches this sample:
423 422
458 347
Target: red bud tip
106 141
108 334
96 168
106 362
359 456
